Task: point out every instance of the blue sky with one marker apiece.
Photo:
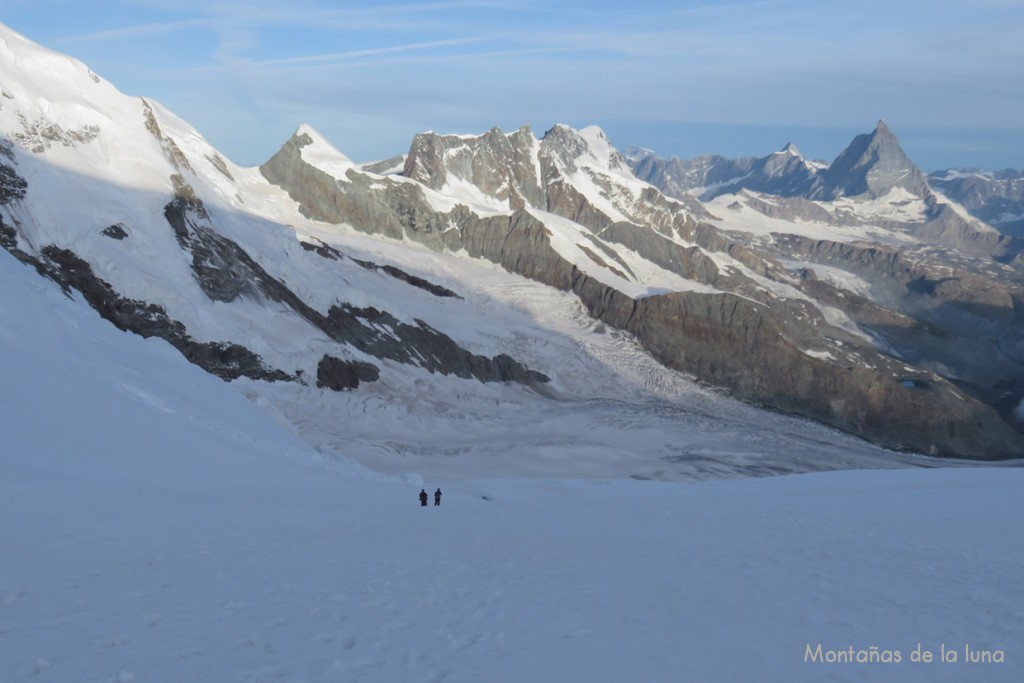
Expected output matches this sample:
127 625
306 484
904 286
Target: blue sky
683 78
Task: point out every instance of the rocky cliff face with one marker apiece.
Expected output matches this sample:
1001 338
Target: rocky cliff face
503 167
780 352
996 197
871 184
872 165
785 173
701 177
283 275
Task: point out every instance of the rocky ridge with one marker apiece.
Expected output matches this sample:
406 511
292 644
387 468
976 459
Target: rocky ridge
806 365
996 197
238 269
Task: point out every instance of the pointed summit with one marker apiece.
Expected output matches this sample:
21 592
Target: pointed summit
319 152
790 149
784 173
873 165
588 146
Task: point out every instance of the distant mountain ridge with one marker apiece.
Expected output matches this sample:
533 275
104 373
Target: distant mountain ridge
871 166
785 173
313 272
996 197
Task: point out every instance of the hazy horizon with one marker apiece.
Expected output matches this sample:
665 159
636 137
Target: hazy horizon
683 79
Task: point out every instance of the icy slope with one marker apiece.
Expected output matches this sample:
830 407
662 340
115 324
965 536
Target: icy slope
158 529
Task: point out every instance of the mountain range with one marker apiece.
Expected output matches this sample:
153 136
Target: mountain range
506 269
996 197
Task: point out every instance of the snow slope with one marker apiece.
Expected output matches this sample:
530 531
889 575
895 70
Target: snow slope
158 528
106 174
618 412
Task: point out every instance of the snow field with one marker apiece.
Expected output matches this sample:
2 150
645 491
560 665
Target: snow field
159 528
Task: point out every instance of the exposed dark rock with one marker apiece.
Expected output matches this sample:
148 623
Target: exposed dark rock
895 274
689 330
958 320
9 241
218 163
116 232
996 197
223 359
501 165
225 271
337 375
41 135
415 281
386 166
380 334
12 189
330 252
745 347
221 267
402 211
322 249
12 185
230 361
751 344
947 227
8 236
170 147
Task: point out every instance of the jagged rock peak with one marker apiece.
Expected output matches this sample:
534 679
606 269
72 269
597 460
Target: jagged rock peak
503 166
307 136
791 149
317 151
583 147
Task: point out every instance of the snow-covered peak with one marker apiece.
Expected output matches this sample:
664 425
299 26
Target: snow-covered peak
598 142
791 150
38 78
58 113
635 153
961 173
587 147
523 130
319 153
18 51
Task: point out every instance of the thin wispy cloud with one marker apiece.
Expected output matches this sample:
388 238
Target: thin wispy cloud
351 54
639 68
138 31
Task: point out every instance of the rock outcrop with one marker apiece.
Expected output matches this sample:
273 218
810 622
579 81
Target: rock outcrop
860 321
777 353
339 375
